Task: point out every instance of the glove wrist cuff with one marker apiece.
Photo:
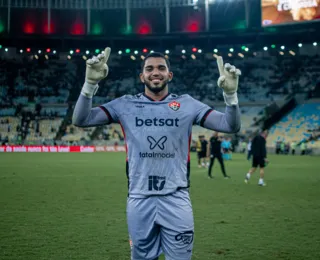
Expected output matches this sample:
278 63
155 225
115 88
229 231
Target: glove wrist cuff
89 90
231 99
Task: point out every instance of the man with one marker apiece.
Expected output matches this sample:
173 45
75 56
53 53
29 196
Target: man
303 147
157 127
229 148
259 157
199 151
226 147
214 151
243 146
204 145
202 153
278 147
293 147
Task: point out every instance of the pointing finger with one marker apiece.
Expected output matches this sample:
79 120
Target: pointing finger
220 65
107 52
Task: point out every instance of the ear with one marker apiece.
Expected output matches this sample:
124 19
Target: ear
170 75
141 77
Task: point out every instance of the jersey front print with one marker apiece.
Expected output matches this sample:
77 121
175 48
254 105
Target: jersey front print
157 135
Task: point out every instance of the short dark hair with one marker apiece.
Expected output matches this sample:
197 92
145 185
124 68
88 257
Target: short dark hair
155 55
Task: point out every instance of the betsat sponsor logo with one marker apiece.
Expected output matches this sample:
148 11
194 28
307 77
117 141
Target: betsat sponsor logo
171 122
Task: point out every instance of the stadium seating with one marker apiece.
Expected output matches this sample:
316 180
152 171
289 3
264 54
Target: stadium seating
73 133
47 131
8 128
296 125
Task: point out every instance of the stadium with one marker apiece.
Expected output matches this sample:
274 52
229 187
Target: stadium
63 188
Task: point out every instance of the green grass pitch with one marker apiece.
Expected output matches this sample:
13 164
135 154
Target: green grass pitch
72 206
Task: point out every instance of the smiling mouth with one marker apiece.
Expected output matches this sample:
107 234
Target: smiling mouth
156 81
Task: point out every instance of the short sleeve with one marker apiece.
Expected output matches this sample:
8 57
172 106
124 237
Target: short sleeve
201 111
112 109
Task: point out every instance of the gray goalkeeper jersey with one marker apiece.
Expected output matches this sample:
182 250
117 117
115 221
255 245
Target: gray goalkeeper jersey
157 135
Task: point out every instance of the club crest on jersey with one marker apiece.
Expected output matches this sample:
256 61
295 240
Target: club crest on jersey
174 105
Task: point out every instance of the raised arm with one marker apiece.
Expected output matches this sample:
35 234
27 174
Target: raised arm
228 122
84 115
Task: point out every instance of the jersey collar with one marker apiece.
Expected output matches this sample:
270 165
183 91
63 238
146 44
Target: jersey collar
151 99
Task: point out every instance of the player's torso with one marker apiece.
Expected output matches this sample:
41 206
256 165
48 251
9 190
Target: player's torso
157 129
215 145
157 136
204 144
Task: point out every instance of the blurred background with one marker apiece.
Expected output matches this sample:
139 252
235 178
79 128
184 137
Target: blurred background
44 45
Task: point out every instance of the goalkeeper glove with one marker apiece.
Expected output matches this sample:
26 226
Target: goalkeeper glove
96 70
228 81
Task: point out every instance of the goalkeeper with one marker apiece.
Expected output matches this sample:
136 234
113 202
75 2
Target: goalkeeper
157 127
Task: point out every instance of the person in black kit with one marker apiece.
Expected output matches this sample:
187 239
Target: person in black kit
204 145
214 151
259 157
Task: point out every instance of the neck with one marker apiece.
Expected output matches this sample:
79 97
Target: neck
156 96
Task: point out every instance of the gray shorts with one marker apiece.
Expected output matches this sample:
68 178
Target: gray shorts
161 224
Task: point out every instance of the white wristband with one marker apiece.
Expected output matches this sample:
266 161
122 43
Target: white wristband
231 99
89 90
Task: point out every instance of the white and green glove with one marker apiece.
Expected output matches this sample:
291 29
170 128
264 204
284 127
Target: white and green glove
228 81
96 70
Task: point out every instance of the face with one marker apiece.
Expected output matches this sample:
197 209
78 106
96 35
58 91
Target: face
155 74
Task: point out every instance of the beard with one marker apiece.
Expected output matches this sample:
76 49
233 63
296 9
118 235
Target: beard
156 88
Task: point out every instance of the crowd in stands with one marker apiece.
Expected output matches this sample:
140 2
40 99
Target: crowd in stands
37 96
296 128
